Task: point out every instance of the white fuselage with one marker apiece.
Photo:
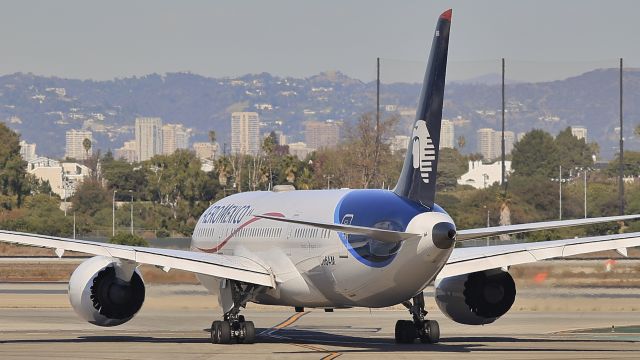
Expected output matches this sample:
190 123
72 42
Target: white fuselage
314 267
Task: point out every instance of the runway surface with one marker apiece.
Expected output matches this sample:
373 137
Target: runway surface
175 326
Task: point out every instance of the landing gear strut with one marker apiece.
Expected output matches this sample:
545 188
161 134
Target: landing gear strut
234 328
428 331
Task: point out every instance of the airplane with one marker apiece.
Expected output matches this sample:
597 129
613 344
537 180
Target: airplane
333 249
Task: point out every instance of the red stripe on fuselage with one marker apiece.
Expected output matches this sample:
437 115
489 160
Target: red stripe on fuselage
240 227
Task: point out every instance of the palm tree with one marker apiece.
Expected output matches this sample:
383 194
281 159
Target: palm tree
462 141
86 144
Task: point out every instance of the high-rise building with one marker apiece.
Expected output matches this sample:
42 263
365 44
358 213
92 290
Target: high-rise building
205 150
148 137
322 134
580 132
245 133
128 152
447 134
485 142
174 137
74 148
490 143
27 151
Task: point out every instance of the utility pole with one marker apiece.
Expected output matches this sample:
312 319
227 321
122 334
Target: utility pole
560 182
74 224
131 214
113 214
621 179
376 151
504 168
585 193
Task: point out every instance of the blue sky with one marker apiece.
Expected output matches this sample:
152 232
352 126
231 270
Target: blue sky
102 40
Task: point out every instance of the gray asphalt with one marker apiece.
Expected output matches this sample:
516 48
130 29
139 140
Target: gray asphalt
180 331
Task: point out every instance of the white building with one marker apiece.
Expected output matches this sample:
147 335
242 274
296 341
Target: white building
205 150
148 137
63 178
490 143
27 151
245 133
74 148
399 143
300 150
128 152
580 132
481 175
174 137
447 135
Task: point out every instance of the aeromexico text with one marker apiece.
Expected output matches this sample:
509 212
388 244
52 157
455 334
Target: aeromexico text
225 214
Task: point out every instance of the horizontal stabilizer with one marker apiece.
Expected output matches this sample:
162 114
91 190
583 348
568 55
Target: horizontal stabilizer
386 236
471 234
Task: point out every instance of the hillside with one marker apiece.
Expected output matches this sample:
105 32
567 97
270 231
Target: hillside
43 108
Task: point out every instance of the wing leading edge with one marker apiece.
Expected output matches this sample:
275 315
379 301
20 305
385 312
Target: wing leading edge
471 234
221 266
468 260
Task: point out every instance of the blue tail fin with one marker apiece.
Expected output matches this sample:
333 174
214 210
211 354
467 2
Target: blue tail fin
418 177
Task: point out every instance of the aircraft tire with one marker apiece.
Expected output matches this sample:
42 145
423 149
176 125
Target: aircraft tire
405 332
215 329
224 333
431 333
249 332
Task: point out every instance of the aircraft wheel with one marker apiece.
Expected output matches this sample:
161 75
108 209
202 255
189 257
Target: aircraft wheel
405 332
431 334
249 332
215 329
224 333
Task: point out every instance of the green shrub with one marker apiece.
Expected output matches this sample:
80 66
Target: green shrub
128 239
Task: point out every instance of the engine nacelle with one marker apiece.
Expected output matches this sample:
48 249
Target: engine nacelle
98 296
478 298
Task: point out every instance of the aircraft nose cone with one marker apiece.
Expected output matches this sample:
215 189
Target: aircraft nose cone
444 235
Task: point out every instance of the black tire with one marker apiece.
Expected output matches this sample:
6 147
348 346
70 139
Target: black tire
249 332
214 331
241 318
405 332
224 333
432 332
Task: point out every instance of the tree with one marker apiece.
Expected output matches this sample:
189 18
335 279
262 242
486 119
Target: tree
86 144
128 239
573 152
451 166
90 197
535 154
462 141
12 168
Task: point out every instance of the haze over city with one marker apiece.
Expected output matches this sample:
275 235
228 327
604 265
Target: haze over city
76 39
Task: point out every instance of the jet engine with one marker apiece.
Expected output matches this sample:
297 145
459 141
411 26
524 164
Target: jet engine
477 298
100 294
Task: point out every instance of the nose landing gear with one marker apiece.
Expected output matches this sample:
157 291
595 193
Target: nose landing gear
428 331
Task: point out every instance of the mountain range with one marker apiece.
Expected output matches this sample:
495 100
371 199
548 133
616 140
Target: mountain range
42 108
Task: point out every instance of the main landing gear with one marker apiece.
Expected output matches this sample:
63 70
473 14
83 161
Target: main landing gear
234 328
428 331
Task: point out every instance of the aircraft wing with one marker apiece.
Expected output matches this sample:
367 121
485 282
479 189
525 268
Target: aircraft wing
478 233
468 260
221 266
